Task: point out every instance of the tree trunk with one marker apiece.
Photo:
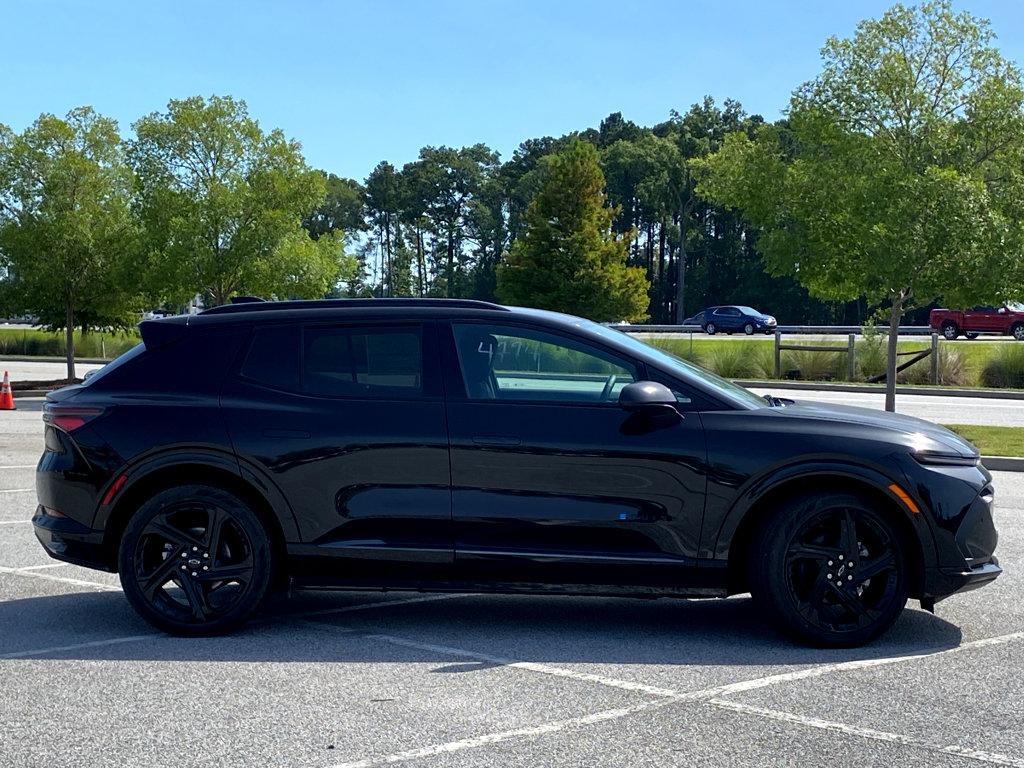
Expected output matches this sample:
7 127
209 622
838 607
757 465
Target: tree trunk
681 268
895 314
662 278
451 265
421 267
69 337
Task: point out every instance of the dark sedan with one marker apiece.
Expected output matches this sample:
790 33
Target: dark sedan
733 318
463 446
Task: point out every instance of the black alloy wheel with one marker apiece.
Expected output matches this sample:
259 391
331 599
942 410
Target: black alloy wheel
949 330
195 560
831 570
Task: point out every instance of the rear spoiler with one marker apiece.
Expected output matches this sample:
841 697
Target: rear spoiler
159 332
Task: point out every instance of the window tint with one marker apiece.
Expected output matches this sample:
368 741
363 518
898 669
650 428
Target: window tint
508 363
273 357
339 361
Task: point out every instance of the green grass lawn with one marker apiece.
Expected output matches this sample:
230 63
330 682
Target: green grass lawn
96 344
993 441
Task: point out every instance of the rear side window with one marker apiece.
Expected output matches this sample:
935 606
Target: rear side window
341 361
273 357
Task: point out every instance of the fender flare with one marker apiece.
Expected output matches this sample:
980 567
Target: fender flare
143 467
756 489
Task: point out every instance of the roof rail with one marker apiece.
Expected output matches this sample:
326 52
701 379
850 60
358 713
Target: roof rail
253 304
246 299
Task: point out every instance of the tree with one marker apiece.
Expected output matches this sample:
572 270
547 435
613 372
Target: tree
67 234
894 176
223 204
566 257
342 209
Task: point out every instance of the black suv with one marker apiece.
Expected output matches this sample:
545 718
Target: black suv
466 446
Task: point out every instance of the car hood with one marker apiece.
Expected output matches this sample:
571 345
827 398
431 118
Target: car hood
924 435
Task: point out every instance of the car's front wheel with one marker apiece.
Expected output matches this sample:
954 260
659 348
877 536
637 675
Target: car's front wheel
1017 331
195 560
830 570
748 329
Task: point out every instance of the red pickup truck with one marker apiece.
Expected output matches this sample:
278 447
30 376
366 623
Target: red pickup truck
1008 319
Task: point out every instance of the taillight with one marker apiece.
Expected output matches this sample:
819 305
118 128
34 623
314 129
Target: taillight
69 418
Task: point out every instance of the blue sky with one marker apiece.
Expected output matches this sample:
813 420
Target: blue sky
358 82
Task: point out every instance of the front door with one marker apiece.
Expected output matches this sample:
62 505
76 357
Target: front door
553 483
348 421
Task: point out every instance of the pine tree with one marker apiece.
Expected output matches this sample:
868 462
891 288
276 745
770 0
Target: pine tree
566 257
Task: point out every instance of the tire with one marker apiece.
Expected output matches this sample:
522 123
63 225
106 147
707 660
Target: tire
795 570
748 329
949 330
710 329
1017 331
971 334
209 532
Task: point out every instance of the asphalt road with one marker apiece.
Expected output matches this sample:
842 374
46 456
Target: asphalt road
398 679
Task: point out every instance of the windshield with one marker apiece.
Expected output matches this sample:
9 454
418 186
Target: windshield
1015 306
683 368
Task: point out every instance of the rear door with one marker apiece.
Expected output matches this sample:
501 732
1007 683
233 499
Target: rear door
553 483
728 318
348 421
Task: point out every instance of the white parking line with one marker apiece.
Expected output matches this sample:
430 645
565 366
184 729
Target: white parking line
17 467
14 491
496 737
9 523
871 734
74 647
706 695
29 571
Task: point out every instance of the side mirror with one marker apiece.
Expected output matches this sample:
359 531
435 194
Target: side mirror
647 398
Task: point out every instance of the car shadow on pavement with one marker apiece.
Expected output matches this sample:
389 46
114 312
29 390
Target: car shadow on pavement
547 629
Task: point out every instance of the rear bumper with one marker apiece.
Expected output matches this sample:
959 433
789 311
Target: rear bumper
67 540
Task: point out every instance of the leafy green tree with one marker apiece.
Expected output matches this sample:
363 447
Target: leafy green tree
67 233
223 204
893 178
342 209
566 257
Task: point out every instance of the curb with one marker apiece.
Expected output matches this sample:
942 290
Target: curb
1004 464
50 359
950 392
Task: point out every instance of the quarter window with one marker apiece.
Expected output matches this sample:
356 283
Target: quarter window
509 363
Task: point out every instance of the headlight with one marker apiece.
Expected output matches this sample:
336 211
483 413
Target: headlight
942 458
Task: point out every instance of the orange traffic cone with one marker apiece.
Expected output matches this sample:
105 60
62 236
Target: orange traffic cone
6 399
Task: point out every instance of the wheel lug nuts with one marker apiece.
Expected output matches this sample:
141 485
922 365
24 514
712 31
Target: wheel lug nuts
183 567
851 564
206 568
850 578
194 548
207 555
828 576
841 556
830 563
194 574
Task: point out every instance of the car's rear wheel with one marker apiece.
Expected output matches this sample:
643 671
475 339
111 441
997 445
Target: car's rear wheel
830 570
748 329
195 560
1017 330
949 330
710 328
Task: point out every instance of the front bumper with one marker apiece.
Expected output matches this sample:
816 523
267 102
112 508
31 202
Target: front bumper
68 540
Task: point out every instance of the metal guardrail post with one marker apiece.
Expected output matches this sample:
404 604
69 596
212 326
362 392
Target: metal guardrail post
778 354
851 360
935 359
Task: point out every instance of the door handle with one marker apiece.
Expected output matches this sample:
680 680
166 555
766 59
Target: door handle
285 434
496 440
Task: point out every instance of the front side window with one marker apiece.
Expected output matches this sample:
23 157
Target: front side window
510 363
343 361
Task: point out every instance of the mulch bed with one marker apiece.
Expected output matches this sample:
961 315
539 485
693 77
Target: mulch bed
41 384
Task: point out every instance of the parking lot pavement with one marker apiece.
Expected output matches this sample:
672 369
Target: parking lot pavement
403 679
36 370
